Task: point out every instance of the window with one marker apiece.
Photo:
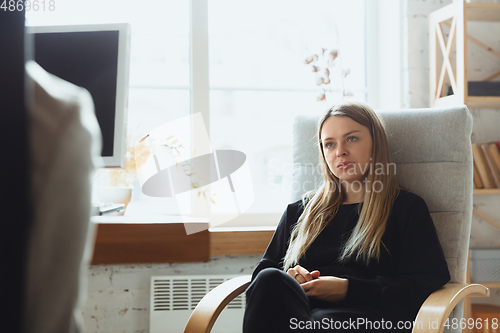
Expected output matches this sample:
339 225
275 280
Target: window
259 82
253 53
159 69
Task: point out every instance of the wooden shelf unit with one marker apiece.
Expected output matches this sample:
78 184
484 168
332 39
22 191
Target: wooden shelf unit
459 13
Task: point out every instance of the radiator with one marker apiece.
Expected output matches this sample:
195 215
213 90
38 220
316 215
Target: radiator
174 297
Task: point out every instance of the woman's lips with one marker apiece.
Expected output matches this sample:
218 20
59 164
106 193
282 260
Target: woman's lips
344 166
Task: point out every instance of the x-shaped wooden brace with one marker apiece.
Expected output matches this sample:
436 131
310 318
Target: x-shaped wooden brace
484 47
445 50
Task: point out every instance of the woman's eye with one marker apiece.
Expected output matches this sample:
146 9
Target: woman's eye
329 145
351 138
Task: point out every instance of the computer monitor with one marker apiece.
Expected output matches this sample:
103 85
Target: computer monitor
97 58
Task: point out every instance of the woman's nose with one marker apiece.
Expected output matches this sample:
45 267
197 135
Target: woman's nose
341 151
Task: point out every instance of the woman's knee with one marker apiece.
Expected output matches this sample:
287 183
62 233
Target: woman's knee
273 275
273 280
268 278
270 273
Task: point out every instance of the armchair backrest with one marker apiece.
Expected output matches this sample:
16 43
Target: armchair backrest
433 156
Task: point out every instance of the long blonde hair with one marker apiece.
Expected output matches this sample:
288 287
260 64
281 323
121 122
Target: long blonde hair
322 204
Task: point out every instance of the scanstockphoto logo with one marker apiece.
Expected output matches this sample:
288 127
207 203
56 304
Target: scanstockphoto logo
210 184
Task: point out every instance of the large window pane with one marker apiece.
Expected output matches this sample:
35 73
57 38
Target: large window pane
262 44
159 59
259 82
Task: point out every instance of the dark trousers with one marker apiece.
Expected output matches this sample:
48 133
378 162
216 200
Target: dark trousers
275 302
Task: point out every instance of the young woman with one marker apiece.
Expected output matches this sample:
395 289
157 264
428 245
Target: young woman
359 253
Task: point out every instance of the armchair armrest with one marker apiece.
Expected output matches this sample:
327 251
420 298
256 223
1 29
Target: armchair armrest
208 309
440 303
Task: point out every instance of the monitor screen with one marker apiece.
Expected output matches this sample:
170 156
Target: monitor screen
95 57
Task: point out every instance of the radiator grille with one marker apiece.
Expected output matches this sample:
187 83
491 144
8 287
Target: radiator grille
175 294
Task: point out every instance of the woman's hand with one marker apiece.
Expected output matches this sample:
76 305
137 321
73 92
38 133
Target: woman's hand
302 275
328 288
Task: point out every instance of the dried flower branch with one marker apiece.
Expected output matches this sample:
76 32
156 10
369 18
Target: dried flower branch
322 64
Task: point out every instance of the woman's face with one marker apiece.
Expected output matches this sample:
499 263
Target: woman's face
347 147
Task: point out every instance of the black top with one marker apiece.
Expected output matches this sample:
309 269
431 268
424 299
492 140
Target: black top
411 266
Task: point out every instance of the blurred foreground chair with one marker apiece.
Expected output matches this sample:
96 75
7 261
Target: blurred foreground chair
432 151
65 149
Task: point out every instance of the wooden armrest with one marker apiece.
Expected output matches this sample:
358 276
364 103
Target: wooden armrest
208 309
438 306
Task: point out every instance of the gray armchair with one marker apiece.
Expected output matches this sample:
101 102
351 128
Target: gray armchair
432 151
